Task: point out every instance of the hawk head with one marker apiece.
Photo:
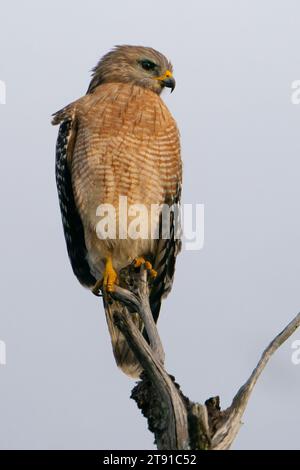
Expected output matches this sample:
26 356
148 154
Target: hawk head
142 66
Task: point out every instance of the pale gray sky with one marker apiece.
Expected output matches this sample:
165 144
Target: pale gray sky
234 63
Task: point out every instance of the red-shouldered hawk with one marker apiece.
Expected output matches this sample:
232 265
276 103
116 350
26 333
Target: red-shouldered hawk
119 140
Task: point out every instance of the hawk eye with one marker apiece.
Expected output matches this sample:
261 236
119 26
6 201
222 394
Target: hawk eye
147 64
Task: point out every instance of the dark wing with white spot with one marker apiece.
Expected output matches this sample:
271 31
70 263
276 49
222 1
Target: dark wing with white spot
73 228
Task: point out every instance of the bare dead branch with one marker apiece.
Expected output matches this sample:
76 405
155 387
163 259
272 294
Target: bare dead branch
172 432
140 304
227 432
177 422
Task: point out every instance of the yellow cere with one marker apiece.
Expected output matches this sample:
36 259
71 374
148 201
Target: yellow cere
167 74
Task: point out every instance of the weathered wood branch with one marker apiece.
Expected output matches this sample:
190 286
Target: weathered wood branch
139 303
177 422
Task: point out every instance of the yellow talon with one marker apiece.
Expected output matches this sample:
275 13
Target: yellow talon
138 262
150 269
153 273
109 276
148 265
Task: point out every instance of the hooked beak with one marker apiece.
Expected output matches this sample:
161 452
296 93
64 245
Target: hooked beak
167 80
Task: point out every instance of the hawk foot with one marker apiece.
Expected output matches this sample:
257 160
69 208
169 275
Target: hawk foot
110 278
138 262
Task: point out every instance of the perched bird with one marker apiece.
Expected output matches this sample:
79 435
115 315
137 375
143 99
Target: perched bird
120 140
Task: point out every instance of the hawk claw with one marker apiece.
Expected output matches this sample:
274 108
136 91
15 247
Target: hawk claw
96 290
110 276
140 261
107 283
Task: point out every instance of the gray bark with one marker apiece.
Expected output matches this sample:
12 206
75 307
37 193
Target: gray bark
176 421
